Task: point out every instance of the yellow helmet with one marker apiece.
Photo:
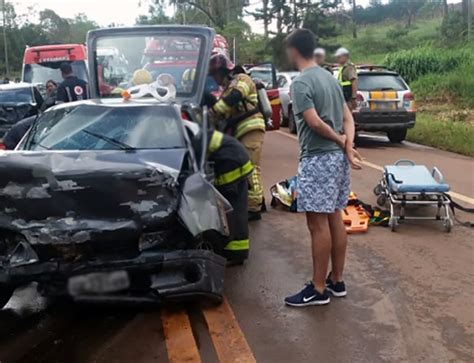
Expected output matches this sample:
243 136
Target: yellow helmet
141 76
188 77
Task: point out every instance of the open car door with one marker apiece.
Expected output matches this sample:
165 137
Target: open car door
266 73
177 55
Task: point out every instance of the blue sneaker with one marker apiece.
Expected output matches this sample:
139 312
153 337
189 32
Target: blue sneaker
308 296
337 289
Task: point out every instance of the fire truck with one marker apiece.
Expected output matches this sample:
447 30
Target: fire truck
41 63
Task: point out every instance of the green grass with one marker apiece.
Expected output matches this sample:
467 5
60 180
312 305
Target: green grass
375 41
447 135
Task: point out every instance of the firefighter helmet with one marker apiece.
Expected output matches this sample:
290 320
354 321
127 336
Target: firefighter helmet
218 62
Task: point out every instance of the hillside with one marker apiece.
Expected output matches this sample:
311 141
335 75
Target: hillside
439 72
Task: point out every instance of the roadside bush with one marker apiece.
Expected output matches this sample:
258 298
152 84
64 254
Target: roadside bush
453 28
456 85
414 63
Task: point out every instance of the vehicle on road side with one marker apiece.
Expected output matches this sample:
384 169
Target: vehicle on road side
266 73
41 63
284 80
123 207
17 101
385 103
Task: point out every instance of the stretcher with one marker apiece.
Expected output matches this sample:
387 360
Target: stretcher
406 184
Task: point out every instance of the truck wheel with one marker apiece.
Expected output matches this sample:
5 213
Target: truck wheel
397 136
291 122
6 293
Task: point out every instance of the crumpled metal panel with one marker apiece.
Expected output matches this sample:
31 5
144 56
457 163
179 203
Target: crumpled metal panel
202 207
61 197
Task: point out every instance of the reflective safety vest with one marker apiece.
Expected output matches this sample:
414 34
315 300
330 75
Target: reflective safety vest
346 85
246 87
231 160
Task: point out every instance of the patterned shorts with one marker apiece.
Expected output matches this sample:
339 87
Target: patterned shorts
323 183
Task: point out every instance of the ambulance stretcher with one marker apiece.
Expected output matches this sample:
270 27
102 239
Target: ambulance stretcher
406 184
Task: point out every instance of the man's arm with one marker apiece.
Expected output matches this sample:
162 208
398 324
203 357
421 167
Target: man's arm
355 87
313 120
353 155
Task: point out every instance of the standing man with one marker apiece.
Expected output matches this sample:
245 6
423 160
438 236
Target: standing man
71 88
320 59
325 133
347 77
238 107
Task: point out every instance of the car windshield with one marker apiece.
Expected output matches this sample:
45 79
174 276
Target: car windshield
21 95
170 60
93 127
40 73
263 75
374 82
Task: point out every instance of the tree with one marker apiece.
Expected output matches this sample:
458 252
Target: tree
55 27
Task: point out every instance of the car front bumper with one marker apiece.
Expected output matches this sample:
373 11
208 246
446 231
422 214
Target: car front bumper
154 277
384 121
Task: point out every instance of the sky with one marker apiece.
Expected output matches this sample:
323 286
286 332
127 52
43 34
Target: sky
104 12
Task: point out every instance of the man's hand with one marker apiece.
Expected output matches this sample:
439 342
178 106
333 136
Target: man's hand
354 157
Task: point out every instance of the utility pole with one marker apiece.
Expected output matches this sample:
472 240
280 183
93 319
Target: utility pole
354 25
5 45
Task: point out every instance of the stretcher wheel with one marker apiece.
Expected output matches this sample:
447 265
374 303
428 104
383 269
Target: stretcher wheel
378 190
448 225
381 200
393 223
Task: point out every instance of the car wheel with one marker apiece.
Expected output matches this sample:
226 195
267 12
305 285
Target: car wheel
291 122
6 293
397 136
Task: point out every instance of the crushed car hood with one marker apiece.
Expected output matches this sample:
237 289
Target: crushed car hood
54 197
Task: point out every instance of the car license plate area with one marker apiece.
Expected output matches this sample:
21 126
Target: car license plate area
98 283
383 106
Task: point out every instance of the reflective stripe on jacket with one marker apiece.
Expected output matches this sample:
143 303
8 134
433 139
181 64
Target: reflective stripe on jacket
246 87
231 160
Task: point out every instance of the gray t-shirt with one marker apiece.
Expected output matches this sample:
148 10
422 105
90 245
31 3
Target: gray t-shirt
316 88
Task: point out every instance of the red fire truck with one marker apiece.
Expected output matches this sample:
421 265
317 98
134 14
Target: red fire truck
41 63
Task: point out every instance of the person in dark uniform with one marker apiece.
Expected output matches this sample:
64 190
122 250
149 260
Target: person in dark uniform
232 167
320 59
16 133
72 88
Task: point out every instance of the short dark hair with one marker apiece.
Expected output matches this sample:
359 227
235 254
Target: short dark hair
303 40
65 68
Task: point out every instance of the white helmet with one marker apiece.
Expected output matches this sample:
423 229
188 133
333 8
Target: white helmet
341 51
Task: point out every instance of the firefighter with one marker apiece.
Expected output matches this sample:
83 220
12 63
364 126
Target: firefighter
238 108
232 167
347 77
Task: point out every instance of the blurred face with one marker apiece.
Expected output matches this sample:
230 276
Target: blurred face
50 87
292 56
342 59
320 59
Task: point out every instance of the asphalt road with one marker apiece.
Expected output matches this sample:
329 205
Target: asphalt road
410 293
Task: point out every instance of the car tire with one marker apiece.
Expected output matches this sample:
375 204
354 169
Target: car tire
291 122
6 293
397 136
211 241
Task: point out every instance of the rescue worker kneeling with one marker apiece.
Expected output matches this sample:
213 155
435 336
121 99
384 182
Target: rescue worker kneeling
239 110
232 167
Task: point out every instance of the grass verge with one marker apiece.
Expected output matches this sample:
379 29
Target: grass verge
447 135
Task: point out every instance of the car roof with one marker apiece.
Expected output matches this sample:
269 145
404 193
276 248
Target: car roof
13 86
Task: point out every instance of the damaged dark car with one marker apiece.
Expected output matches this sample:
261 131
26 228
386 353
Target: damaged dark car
106 200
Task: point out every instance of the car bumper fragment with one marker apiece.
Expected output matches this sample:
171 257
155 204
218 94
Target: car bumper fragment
154 276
